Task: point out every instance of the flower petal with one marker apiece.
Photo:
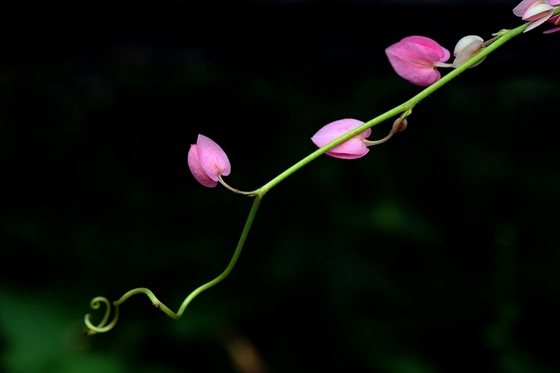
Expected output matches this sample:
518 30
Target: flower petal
350 149
551 30
415 58
556 21
196 168
212 158
537 12
523 6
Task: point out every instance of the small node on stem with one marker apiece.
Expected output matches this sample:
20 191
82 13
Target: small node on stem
401 122
399 125
501 33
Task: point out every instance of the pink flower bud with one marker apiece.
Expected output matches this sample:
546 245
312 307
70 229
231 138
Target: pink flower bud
415 58
208 162
352 148
466 48
535 11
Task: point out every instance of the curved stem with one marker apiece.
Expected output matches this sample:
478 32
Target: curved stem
232 262
234 190
96 302
380 141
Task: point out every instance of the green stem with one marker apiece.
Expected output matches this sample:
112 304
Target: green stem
233 260
207 285
96 302
503 37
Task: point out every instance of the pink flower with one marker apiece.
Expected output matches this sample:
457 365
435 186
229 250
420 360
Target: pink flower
350 149
556 21
536 11
208 162
415 58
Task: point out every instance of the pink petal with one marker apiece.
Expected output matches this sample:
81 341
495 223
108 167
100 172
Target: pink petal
537 12
212 158
430 44
419 75
196 168
537 23
555 19
414 58
523 6
350 149
551 30
553 2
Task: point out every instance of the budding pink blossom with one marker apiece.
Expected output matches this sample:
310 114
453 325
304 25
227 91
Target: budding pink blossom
415 58
535 11
556 21
208 162
352 148
466 48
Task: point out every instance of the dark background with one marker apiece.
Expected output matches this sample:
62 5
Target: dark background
437 252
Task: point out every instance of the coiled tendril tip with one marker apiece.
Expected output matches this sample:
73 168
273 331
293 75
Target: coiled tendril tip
102 327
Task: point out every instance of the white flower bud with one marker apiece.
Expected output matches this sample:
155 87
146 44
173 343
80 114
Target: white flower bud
466 48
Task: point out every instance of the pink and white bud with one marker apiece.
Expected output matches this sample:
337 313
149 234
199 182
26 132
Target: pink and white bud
535 11
466 48
208 162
